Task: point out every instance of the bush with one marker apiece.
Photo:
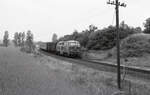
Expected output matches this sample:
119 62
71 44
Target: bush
106 38
100 39
135 45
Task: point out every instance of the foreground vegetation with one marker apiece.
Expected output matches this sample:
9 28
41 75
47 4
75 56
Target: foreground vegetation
96 82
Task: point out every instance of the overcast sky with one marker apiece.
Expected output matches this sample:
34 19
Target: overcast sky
45 17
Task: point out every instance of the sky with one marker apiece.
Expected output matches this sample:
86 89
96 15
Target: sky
45 17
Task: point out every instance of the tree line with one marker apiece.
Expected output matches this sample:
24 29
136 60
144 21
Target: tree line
21 39
6 39
91 38
103 39
25 41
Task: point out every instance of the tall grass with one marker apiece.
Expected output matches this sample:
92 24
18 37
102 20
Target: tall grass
136 45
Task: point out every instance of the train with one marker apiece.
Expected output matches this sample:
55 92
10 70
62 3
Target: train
71 48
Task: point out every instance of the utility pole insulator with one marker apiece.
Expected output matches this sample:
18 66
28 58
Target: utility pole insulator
117 4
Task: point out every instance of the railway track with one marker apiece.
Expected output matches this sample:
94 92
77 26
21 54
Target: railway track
105 66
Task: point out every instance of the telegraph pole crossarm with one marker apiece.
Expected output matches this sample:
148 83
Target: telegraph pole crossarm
117 4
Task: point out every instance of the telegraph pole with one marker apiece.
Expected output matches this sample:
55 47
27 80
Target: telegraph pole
117 4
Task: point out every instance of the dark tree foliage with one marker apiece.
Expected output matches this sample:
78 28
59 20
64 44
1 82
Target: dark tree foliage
92 28
54 38
75 34
101 39
23 39
16 36
19 39
6 39
106 38
29 41
147 26
83 38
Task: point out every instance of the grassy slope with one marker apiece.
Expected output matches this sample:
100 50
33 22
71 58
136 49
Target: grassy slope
141 61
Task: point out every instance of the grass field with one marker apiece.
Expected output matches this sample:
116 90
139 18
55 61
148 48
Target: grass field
97 82
87 80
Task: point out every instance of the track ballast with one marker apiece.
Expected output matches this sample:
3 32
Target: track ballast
104 66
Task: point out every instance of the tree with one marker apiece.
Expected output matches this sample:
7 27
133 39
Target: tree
23 38
29 41
138 29
123 25
92 28
16 38
54 38
75 35
19 39
6 39
147 26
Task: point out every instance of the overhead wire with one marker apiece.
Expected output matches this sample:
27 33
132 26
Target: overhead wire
89 18
113 18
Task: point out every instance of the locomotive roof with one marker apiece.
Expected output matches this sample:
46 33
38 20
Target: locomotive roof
72 41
